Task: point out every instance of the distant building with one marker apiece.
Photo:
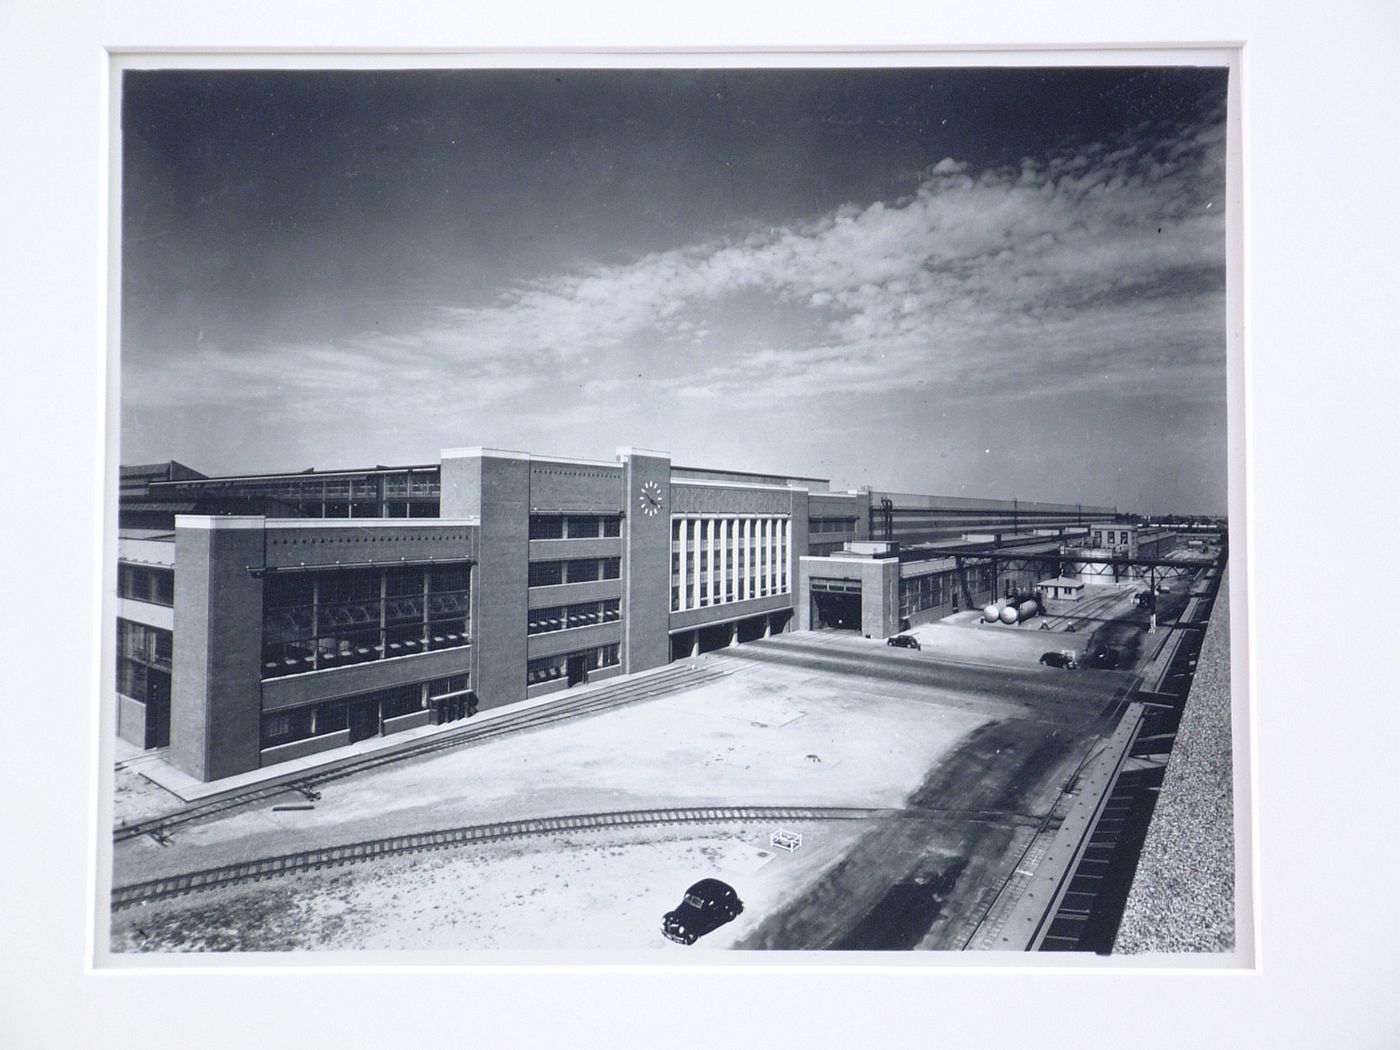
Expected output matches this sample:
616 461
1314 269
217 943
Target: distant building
1061 588
1123 541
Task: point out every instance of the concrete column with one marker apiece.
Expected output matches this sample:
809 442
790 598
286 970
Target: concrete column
494 485
767 625
733 636
646 560
216 687
694 643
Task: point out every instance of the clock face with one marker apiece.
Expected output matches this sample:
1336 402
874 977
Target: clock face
650 499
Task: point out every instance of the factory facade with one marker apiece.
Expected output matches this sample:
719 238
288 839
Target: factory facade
262 618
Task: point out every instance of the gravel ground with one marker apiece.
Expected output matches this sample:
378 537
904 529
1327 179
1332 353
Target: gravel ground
133 796
1183 897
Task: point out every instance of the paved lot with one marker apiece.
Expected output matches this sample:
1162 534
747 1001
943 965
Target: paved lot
980 753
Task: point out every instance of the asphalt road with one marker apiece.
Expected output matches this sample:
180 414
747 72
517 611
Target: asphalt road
926 880
1045 693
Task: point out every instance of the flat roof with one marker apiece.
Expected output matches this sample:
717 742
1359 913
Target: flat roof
309 472
766 475
166 535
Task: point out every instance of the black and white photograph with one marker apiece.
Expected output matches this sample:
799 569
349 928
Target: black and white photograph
674 511
744 525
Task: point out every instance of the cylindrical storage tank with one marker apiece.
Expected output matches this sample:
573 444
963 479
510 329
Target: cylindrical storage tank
1008 614
991 614
1026 610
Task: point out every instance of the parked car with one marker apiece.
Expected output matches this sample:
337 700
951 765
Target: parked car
1143 599
706 906
1104 656
1065 659
904 641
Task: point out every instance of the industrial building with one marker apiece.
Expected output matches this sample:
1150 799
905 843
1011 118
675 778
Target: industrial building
261 618
1119 542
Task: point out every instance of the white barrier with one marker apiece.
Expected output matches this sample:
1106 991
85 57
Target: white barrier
788 840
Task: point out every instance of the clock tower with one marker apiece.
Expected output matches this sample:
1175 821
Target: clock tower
646 559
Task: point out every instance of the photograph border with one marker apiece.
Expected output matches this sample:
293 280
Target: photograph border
1306 985
1243 955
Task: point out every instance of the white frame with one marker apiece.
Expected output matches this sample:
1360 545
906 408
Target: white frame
1319 90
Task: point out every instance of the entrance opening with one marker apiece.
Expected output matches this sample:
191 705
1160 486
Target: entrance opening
838 611
158 720
578 669
752 629
715 636
364 720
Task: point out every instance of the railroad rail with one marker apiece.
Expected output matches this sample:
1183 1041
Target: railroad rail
664 683
1086 611
374 849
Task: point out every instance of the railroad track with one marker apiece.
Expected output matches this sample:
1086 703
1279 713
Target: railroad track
651 687
374 849
1087 612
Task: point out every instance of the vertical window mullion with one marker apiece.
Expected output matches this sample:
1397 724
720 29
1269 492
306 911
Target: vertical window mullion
784 575
683 569
723 524
748 558
762 556
695 571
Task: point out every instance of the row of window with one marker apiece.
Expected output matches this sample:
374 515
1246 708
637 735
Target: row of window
146 583
574 526
718 560
575 570
369 509
1110 537
580 614
550 668
927 592
363 714
144 657
317 620
923 592
816 525
423 484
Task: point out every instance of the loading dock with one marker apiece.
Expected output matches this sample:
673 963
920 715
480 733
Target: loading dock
836 604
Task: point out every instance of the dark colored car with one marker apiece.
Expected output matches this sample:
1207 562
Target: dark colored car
1065 660
1143 599
706 906
904 641
1105 657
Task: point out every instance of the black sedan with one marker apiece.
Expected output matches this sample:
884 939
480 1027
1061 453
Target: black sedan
1104 657
706 906
904 641
1066 660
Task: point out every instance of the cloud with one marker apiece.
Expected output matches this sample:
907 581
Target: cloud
1095 267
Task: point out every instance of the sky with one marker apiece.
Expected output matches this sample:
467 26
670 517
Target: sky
995 283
